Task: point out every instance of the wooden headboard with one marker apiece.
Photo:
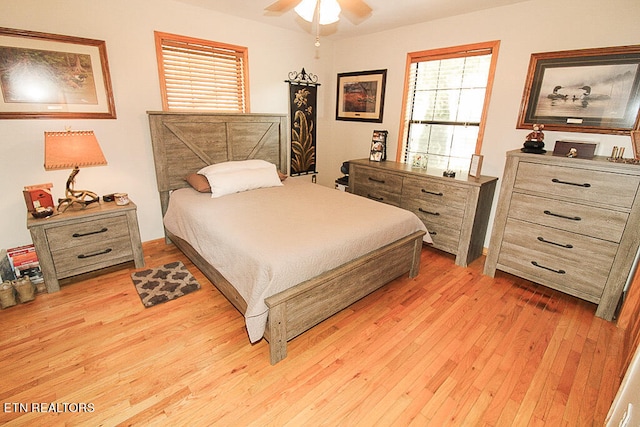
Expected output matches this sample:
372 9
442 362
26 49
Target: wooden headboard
184 143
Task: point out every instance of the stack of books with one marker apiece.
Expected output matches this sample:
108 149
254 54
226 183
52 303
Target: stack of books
23 262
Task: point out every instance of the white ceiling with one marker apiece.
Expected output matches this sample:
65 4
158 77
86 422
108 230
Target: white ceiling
386 15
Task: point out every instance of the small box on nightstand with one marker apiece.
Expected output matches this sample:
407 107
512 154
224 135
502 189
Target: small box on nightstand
583 150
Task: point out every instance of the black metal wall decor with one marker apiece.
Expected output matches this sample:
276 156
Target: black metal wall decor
303 89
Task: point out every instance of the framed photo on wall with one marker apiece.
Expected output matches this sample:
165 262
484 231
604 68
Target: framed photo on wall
360 96
587 90
53 76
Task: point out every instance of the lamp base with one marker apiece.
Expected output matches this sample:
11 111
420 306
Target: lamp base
76 197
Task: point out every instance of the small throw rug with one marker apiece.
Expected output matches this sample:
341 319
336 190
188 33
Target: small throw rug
161 284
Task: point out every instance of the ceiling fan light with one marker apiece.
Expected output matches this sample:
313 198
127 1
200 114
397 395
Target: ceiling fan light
306 9
329 11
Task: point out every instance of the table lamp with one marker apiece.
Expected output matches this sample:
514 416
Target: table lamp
72 149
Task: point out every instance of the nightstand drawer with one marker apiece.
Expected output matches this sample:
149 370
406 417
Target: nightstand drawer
87 232
81 259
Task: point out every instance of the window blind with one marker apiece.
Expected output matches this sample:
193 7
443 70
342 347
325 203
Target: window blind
201 75
446 96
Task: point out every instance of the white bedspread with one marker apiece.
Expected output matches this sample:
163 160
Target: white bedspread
267 240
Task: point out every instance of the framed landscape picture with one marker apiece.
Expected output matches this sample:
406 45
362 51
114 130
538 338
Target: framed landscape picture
361 96
53 76
588 90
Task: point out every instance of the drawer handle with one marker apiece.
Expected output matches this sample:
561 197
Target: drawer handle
433 233
106 251
431 192
378 199
104 230
557 181
572 218
379 181
543 240
548 268
429 212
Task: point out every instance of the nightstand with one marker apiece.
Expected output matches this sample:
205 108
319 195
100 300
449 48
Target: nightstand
83 240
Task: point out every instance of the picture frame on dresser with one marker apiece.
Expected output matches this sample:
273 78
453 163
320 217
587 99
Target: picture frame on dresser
379 146
635 143
586 90
475 167
72 75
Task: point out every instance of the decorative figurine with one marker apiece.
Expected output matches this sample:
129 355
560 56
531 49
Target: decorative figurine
572 153
535 141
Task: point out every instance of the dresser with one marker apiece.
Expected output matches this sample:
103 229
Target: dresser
454 210
569 224
82 240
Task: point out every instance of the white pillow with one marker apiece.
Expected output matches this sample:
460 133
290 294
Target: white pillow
235 181
235 165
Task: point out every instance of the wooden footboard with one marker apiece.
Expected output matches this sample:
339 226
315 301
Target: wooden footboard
298 309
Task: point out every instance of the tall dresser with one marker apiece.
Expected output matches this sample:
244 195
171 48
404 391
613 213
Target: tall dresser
454 210
569 224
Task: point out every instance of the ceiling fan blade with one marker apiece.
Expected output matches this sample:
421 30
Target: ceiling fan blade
282 5
356 7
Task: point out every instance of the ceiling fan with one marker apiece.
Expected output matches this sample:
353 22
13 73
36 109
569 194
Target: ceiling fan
322 12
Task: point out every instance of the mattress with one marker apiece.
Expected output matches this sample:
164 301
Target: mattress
267 240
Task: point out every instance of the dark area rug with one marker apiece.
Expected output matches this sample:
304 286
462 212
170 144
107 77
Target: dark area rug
162 284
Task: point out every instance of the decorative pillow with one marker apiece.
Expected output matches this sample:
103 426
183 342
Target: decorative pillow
235 181
198 182
235 165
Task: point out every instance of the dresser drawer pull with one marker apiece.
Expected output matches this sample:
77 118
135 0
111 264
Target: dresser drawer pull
377 199
106 251
429 212
557 181
379 181
547 268
572 218
543 240
432 233
431 192
104 230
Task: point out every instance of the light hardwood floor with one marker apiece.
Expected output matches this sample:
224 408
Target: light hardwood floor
450 347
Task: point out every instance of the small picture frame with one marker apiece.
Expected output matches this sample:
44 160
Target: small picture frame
635 143
476 165
378 151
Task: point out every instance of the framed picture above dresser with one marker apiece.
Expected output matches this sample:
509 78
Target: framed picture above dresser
570 224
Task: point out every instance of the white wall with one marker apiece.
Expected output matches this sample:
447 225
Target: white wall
523 29
127 27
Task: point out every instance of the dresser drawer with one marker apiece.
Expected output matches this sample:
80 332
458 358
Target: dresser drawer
591 221
87 232
377 185
580 184
536 251
443 222
81 259
434 194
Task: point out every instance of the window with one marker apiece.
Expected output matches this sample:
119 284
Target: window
446 99
201 75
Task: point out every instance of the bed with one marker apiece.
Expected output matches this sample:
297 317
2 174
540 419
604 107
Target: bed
290 262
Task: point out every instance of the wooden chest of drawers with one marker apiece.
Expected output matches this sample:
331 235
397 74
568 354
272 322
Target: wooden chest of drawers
84 240
569 224
454 210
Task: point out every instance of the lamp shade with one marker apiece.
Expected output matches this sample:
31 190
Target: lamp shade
66 150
